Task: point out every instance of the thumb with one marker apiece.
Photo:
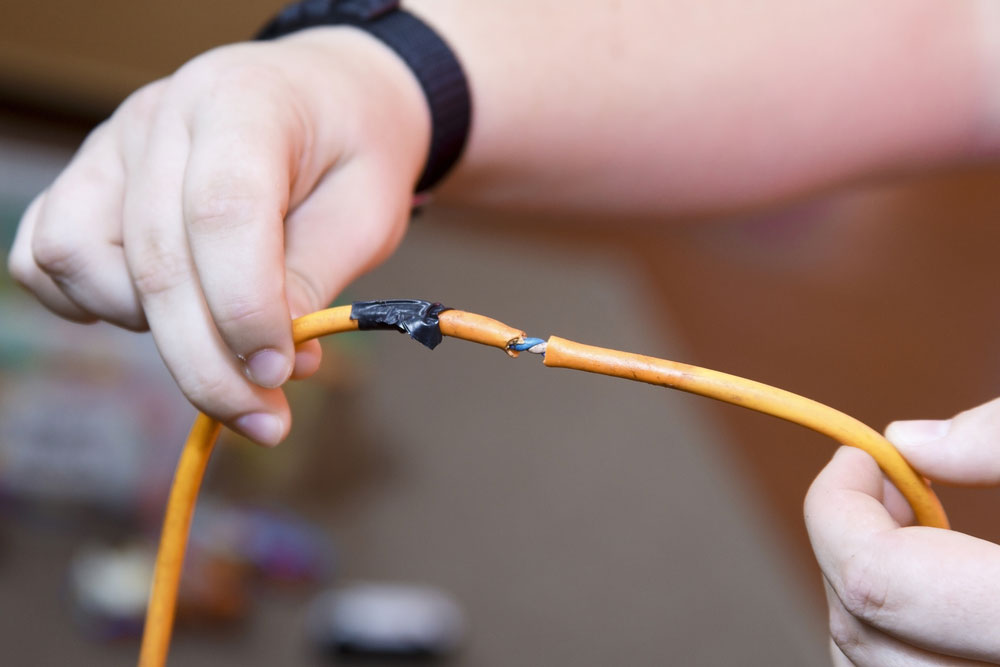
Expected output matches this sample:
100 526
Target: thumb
962 450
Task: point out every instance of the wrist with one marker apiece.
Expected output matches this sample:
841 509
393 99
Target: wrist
429 58
363 99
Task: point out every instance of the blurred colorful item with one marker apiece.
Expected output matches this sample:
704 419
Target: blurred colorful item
275 545
87 414
382 619
231 549
110 587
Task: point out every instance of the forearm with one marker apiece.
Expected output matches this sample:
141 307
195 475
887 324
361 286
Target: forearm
689 106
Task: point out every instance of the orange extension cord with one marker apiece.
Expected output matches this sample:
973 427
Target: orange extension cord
559 353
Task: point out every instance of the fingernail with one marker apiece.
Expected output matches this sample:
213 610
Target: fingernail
268 368
917 432
261 427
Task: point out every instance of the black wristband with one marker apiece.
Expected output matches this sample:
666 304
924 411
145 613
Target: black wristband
424 52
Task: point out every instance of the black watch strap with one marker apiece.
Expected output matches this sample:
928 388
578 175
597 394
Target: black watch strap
433 63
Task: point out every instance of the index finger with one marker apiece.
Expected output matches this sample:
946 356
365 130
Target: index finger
934 588
165 277
236 194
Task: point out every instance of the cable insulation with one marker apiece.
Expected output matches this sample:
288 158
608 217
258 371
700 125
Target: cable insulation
558 353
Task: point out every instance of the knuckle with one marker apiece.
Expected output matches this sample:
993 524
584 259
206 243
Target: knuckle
243 75
240 311
156 270
20 266
236 73
204 389
844 631
58 256
864 590
238 78
233 70
96 135
92 172
142 103
215 207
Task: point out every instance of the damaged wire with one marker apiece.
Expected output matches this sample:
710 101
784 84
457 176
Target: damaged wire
533 345
425 322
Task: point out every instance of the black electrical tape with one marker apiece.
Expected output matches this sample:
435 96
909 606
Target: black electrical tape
411 316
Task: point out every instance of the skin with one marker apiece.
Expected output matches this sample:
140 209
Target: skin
190 214
257 181
900 594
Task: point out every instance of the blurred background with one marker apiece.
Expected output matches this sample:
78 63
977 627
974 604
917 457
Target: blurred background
564 519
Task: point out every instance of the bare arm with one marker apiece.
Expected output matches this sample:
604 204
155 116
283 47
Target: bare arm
258 180
692 105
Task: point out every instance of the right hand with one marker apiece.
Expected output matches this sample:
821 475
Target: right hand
215 205
901 594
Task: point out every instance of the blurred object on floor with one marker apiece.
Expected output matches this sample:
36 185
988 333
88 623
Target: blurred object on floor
214 593
386 620
274 545
232 549
110 587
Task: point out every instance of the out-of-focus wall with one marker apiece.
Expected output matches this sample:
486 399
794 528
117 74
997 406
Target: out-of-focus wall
877 300
85 57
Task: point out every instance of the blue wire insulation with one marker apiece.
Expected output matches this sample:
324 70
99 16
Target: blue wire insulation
526 344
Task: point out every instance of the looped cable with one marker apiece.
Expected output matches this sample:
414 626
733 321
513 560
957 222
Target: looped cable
559 353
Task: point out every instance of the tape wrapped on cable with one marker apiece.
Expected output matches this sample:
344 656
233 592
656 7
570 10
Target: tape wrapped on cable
418 319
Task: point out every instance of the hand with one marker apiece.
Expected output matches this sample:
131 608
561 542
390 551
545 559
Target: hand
901 594
217 204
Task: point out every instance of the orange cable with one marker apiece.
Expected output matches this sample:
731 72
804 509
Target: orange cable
184 493
562 353
559 353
